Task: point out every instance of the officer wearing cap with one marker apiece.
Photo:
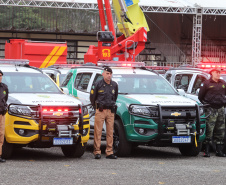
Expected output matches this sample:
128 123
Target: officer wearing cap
213 92
3 109
103 97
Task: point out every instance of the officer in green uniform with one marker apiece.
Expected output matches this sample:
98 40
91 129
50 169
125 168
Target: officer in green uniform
213 92
103 97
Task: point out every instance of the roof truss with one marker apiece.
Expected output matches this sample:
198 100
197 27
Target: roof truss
94 6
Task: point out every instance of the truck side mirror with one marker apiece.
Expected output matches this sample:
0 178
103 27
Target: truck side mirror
181 92
65 90
197 91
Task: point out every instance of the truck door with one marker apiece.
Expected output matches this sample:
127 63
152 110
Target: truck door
80 86
199 79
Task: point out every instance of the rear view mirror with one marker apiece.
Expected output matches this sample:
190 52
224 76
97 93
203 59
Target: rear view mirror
181 92
197 91
65 90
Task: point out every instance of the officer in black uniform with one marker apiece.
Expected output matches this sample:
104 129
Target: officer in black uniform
103 97
213 92
3 109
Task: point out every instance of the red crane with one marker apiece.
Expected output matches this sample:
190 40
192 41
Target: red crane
111 48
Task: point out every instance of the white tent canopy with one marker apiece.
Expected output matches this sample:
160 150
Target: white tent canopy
92 4
165 3
209 7
186 3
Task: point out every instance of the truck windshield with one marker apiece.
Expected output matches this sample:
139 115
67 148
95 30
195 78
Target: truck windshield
29 83
142 84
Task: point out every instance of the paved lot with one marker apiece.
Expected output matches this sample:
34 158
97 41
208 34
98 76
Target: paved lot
147 165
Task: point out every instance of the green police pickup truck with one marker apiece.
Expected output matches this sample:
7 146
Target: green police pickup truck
150 111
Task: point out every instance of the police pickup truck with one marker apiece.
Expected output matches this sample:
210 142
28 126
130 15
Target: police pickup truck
58 71
39 114
188 80
150 111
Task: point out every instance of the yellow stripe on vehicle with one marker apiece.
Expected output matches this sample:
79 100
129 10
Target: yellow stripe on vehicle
48 58
56 56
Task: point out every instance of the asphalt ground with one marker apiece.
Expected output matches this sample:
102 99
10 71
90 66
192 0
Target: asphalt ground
147 165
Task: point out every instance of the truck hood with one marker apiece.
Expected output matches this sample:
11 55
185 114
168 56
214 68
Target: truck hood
43 99
162 99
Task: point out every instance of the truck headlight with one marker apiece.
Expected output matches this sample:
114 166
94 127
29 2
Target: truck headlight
85 111
20 110
143 111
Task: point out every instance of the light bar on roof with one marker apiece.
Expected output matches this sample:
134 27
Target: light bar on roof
14 61
64 65
211 65
158 67
120 64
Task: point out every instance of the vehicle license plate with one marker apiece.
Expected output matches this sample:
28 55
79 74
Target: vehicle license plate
62 141
181 139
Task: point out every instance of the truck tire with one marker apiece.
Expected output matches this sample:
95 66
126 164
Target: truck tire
190 150
7 149
121 146
74 151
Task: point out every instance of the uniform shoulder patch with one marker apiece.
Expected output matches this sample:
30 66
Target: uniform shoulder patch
92 91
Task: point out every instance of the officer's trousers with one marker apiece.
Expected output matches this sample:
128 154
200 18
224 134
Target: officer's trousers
2 131
107 116
215 125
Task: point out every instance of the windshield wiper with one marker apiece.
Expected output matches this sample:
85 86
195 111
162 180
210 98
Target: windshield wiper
124 93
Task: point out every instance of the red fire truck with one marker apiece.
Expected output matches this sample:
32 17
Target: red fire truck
39 53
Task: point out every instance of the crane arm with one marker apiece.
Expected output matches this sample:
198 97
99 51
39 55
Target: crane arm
129 16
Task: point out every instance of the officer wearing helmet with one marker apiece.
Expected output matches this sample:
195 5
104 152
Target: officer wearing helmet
103 97
3 109
213 92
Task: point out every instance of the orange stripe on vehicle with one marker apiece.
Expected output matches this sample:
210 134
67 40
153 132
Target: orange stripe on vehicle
48 58
56 56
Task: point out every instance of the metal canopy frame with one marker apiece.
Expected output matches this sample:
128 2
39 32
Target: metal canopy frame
197 13
94 6
197 38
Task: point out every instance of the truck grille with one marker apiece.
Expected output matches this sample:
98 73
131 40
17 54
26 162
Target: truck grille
178 113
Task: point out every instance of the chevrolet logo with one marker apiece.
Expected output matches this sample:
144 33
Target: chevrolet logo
175 114
57 113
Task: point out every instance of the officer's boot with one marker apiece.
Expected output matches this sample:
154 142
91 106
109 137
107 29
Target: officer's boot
207 150
2 160
219 151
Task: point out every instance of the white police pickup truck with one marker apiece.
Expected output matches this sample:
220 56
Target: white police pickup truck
188 80
150 111
40 114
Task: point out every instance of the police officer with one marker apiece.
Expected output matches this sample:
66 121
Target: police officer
103 97
213 92
3 109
